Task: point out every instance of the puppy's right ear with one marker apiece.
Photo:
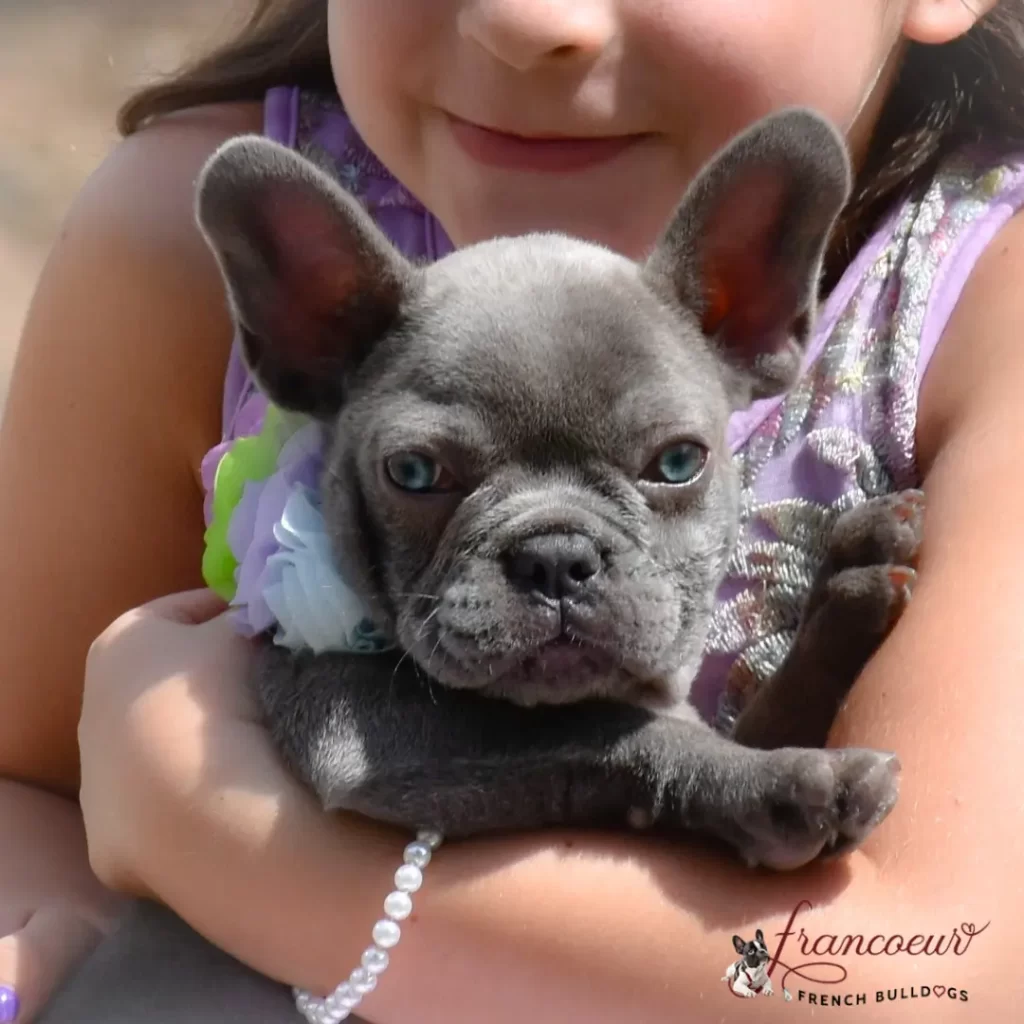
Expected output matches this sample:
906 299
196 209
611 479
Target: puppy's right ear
312 281
739 945
744 250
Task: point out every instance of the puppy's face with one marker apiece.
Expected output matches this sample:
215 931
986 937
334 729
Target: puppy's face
534 466
754 953
527 477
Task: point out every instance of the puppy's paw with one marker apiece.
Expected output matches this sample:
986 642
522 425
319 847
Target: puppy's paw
872 558
868 576
870 784
859 607
810 803
880 531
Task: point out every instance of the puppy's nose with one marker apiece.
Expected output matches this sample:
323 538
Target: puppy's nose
555 565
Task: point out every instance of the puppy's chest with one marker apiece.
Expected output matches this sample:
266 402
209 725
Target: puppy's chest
755 977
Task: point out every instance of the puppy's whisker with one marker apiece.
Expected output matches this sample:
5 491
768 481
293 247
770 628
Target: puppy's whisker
433 651
430 680
394 674
426 622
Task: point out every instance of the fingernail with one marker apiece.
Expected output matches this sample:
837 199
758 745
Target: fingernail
8 1005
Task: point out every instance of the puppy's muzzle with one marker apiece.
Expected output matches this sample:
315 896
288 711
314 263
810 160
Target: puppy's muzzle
553 567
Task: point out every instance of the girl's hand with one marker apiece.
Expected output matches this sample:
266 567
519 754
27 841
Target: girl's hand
163 684
187 802
53 911
40 954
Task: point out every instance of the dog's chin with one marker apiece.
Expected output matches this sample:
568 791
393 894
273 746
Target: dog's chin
559 672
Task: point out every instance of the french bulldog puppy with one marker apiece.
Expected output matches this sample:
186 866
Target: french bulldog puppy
527 481
748 976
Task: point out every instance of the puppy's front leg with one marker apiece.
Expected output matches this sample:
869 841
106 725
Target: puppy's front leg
370 734
741 988
860 592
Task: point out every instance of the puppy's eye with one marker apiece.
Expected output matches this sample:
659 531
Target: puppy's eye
680 464
418 474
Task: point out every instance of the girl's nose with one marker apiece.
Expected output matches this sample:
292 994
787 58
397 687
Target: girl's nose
528 33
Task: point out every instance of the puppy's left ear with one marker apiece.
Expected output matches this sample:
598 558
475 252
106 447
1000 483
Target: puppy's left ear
313 282
744 250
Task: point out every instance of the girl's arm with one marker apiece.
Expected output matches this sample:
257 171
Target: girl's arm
52 908
115 397
115 394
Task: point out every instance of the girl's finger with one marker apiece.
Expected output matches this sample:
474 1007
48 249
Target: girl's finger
36 959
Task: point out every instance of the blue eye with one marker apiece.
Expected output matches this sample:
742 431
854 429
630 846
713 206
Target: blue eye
680 464
416 473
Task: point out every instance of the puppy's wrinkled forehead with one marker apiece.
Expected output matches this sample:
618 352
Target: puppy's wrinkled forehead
538 335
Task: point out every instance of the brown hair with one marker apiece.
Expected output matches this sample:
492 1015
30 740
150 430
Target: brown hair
967 90
284 42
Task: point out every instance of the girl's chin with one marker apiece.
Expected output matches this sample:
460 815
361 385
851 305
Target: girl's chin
623 204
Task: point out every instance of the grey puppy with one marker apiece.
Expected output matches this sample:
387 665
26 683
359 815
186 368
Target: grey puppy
527 480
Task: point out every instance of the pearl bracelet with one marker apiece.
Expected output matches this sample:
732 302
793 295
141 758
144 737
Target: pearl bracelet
386 933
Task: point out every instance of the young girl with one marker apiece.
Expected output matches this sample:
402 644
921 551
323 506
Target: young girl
502 116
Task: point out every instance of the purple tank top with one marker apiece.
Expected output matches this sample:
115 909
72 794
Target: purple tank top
845 433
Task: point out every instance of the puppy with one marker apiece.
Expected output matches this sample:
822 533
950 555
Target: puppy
748 976
527 481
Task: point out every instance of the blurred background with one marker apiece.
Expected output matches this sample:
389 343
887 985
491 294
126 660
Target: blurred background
65 66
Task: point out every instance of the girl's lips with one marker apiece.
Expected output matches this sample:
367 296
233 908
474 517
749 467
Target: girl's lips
551 155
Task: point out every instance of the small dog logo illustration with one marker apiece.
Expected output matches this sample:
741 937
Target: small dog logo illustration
748 976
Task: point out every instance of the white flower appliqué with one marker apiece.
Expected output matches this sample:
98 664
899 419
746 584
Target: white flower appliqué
314 607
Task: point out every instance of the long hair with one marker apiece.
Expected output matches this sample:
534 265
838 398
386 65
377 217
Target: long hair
969 90
284 42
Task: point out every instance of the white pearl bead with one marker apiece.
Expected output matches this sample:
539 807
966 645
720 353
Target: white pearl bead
431 837
362 980
347 996
398 906
386 934
376 960
418 854
302 1001
408 878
